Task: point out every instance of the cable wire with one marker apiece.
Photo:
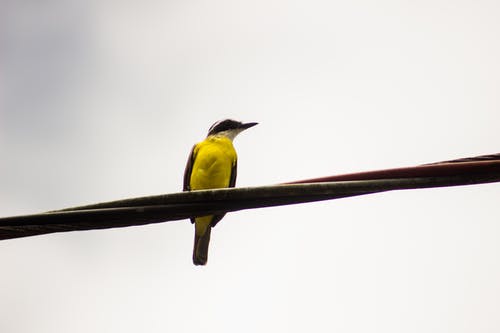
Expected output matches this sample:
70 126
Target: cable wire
182 205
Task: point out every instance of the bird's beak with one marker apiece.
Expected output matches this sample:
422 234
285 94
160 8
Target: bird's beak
247 125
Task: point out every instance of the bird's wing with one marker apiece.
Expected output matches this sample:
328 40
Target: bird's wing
232 180
189 169
187 172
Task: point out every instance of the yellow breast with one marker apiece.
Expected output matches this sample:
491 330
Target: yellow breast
213 163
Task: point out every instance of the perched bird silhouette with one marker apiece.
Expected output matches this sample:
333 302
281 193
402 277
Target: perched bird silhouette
212 164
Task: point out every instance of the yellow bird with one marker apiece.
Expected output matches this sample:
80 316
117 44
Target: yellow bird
212 164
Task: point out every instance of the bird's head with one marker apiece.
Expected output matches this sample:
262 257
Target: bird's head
228 128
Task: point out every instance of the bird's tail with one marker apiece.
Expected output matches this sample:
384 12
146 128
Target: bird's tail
200 250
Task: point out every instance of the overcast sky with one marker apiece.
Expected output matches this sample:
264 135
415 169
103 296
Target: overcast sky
102 100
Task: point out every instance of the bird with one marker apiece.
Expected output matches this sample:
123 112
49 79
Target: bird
212 163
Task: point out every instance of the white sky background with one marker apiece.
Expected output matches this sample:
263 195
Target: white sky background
103 100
